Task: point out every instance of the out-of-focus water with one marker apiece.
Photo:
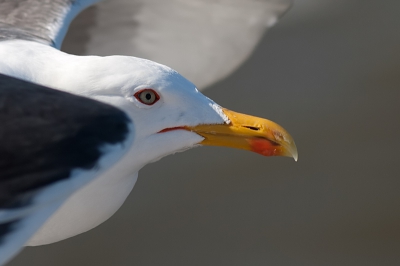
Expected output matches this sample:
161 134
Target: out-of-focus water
331 77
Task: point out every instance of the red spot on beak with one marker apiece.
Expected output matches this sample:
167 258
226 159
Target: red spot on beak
265 147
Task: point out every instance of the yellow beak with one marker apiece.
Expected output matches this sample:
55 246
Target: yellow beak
249 133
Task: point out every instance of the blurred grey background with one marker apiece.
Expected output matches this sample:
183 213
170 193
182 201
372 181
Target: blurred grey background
329 72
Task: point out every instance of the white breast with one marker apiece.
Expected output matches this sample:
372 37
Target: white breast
86 209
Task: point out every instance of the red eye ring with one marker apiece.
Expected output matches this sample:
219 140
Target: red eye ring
147 96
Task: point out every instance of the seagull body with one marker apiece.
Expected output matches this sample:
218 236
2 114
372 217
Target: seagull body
167 114
96 79
50 147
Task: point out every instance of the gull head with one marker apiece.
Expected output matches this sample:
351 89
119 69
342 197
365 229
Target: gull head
169 114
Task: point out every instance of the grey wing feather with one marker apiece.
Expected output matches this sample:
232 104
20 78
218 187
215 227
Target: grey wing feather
205 40
44 21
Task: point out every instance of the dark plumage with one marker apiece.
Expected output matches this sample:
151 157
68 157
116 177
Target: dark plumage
45 134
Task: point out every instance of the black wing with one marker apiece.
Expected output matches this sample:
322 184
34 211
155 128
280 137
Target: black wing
45 134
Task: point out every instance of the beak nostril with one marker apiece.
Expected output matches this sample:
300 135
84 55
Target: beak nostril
252 128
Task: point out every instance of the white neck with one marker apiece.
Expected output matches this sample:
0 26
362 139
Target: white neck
41 64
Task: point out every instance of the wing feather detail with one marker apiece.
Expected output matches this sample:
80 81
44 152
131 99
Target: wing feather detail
204 40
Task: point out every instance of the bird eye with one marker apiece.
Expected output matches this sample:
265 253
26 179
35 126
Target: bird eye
147 96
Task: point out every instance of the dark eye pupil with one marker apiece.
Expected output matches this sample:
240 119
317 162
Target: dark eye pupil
147 96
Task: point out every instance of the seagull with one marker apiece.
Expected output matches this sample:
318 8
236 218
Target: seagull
67 162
